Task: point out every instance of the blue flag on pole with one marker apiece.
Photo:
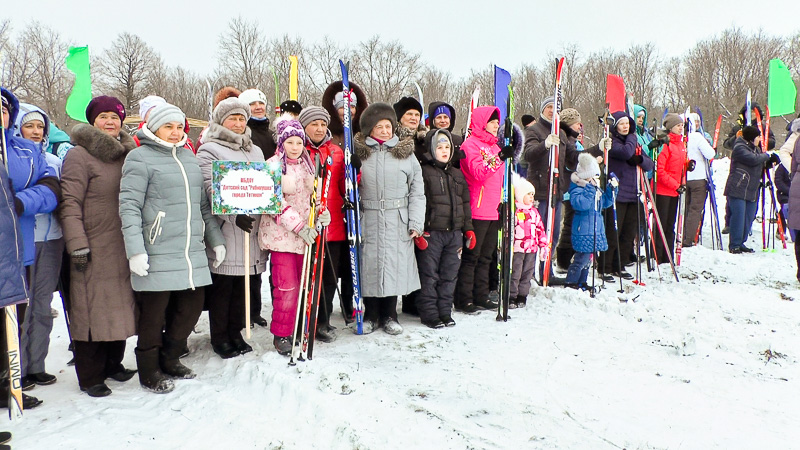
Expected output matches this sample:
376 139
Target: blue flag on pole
501 81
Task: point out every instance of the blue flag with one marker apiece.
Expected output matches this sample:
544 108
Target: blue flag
501 81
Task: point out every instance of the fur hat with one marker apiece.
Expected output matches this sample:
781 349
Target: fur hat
30 117
374 114
228 107
291 106
522 187
312 113
587 167
570 116
671 120
750 133
547 101
338 100
225 92
404 105
104 103
251 96
148 103
163 114
527 119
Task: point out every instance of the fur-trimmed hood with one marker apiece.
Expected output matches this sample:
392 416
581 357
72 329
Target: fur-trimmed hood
99 144
336 126
400 149
218 134
432 109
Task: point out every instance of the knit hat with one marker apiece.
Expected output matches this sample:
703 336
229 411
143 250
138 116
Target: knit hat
253 95
527 119
570 116
671 120
104 103
338 100
522 187
374 114
750 133
442 109
148 103
287 128
30 117
291 106
405 104
312 113
164 114
545 102
229 107
587 167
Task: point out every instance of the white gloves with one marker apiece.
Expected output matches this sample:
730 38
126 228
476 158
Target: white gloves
614 183
551 140
307 234
543 254
605 144
219 255
324 218
138 264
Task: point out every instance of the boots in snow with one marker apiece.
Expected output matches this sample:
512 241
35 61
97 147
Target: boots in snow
169 360
150 375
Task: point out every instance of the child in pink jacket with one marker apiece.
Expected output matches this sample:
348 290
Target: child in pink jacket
287 234
530 238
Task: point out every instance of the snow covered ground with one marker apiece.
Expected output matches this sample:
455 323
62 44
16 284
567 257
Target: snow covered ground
707 362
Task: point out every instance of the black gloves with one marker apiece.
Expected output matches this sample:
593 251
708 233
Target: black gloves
690 165
355 161
681 189
774 160
19 207
658 142
245 222
635 160
507 152
81 259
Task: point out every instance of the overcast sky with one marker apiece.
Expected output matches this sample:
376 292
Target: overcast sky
456 36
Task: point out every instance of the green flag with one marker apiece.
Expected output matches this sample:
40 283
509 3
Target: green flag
782 91
78 62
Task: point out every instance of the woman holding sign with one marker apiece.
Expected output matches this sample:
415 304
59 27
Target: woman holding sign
228 138
166 217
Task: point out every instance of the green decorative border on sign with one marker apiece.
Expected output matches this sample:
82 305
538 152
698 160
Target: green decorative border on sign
221 168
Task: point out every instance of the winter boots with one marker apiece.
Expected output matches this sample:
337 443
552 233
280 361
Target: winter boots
150 375
169 360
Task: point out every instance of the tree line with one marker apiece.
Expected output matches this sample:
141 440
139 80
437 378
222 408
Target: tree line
714 75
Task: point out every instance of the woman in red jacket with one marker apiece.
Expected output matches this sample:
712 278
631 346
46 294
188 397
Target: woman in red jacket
670 181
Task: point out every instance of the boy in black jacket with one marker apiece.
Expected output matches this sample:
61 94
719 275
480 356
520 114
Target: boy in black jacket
448 220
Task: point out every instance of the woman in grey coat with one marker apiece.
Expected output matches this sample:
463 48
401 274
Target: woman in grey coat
166 218
229 139
393 213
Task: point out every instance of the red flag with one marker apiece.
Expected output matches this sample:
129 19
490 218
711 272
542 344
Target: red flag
615 93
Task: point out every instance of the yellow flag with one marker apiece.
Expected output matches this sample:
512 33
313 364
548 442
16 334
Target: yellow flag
293 78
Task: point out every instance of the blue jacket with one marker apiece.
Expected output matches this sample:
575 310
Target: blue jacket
622 149
12 273
747 164
588 231
35 186
47 226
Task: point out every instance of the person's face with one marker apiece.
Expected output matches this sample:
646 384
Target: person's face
317 130
171 132
442 121
548 112
258 109
493 126
410 119
443 152
341 112
293 147
576 127
697 124
624 127
109 122
33 131
528 199
677 129
5 117
236 123
382 130
640 119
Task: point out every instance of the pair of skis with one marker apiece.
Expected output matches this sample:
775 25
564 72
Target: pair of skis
508 219
554 174
766 183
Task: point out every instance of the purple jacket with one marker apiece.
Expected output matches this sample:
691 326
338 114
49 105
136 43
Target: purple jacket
622 149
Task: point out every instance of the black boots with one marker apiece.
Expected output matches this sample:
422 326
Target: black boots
168 359
150 375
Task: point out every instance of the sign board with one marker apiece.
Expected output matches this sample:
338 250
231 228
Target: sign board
241 187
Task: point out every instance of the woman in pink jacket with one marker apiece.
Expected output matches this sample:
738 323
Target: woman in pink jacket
483 167
287 234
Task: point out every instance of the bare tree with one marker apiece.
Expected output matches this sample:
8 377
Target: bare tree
244 56
126 67
385 69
